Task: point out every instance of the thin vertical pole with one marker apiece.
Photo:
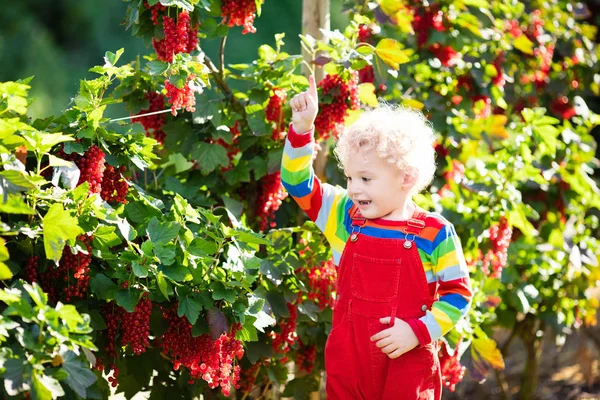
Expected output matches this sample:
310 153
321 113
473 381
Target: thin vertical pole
316 16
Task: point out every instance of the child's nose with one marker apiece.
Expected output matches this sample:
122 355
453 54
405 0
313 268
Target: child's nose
353 189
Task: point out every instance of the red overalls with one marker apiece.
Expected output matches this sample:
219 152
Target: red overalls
380 278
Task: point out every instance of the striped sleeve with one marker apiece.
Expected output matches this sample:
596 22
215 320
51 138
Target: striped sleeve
324 204
454 289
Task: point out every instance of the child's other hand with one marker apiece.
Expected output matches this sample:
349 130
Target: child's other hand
305 106
396 340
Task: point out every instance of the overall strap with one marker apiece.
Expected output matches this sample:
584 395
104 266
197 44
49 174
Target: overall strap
357 218
416 223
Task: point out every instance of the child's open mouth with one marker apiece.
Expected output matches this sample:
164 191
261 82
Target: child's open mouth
364 202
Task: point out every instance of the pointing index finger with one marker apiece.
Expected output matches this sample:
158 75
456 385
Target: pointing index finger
312 88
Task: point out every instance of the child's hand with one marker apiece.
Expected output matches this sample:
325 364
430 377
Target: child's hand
396 340
305 106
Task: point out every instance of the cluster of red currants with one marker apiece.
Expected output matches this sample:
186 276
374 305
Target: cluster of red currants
153 123
274 112
271 195
204 358
333 112
181 97
323 280
452 370
305 358
240 13
180 37
496 257
287 336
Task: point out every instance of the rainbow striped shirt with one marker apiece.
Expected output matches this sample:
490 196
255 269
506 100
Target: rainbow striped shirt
438 245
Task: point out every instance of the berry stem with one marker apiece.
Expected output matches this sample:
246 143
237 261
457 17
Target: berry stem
222 56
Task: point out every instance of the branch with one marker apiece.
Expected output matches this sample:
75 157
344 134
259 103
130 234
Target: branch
222 56
588 332
220 81
513 333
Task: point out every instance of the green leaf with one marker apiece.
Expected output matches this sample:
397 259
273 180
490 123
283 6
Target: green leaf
5 272
162 232
268 269
239 173
255 305
157 67
200 328
58 227
162 284
245 236
4 256
176 272
190 307
258 165
524 44
103 287
367 94
127 298
220 293
112 58
105 237
301 388
263 320
390 52
248 332
16 373
180 163
210 156
37 294
39 391
485 355
16 205
202 247
80 377
69 314
54 161
310 309
547 134
51 384
17 181
278 304
257 350
518 218
139 270
165 253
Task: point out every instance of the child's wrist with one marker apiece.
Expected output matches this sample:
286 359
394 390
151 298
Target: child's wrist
302 129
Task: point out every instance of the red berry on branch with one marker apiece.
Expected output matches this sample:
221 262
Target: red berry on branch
497 256
344 97
181 98
452 371
271 195
240 13
274 112
486 111
562 108
446 54
180 37
114 186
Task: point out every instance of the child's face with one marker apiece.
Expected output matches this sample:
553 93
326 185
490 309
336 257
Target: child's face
377 188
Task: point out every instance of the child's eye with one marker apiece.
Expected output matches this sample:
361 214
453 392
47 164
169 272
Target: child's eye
348 178
366 179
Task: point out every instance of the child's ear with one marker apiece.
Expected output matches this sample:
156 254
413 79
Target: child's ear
409 177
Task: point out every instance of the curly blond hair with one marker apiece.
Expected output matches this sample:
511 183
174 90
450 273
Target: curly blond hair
401 136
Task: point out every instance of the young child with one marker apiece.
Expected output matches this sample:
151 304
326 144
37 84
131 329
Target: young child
403 281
